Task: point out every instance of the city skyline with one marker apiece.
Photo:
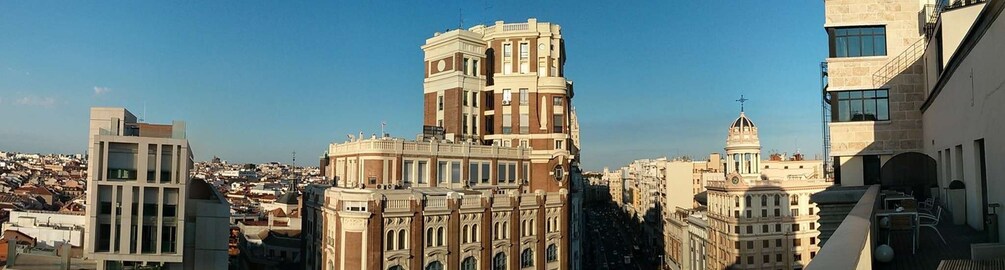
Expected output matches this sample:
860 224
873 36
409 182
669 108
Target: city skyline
305 86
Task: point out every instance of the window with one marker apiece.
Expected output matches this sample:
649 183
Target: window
524 96
746 202
795 227
455 172
524 123
402 236
466 67
435 265
527 258
474 67
429 237
764 212
559 121
750 229
440 107
499 261
525 174
507 123
552 253
767 259
169 239
813 225
507 50
795 212
765 243
764 198
389 240
777 212
777 200
857 41
778 242
507 96
464 123
474 124
490 124
860 105
469 263
524 50
486 172
796 242
466 97
558 144
556 101
396 267
794 199
439 237
420 176
406 171
474 233
813 240
764 229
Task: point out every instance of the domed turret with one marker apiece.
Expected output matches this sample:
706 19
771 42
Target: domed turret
743 149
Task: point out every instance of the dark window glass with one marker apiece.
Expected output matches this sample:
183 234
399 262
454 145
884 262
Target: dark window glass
857 41
860 105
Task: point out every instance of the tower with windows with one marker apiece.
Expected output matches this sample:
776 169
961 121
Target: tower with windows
743 150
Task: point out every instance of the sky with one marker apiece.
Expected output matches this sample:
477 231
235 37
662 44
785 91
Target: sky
257 81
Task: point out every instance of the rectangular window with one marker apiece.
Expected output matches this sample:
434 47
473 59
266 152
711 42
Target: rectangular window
466 66
524 123
439 102
455 172
524 96
556 101
490 100
526 171
860 105
420 175
524 50
507 97
104 238
486 172
507 124
474 67
490 124
559 122
871 169
795 227
558 144
465 98
464 123
472 172
474 124
507 50
441 172
168 239
474 99
501 173
857 41
406 171
512 172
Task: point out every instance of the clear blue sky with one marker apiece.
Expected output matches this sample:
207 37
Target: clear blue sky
258 80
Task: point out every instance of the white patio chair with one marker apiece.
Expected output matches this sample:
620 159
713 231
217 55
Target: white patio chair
932 221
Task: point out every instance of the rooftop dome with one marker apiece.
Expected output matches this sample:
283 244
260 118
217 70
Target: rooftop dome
742 122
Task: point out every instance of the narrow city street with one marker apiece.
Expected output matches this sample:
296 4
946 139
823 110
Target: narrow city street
614 240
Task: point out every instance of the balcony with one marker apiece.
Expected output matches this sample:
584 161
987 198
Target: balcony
849 236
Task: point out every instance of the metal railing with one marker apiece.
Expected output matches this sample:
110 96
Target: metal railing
898 64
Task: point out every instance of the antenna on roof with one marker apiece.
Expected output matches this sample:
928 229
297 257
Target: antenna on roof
460 18
144 116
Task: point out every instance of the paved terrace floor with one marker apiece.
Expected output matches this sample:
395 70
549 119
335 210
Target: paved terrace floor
931 250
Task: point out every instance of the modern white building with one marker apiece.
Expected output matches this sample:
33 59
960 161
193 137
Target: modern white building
50 229
143 207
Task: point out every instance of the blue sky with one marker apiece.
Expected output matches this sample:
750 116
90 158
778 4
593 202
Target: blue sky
256 81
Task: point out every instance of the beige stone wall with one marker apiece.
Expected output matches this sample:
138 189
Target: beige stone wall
900 71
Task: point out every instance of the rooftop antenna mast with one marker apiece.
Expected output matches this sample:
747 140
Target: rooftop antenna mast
144 116
382 124
460 18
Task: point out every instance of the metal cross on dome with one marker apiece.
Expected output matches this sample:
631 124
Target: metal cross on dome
741 101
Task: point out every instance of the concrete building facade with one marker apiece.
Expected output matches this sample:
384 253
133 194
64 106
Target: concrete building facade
144 208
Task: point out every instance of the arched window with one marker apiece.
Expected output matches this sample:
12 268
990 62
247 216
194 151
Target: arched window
435 265
439 237
429 237
552 253
747 202
764 200
777 199
389 240
396 267
505 232
402 236
469 263
547 225
499 261
532 227
527 258
737 200
474 233
464 234
495 232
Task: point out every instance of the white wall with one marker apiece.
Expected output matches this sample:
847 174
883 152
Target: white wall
968 108
679 186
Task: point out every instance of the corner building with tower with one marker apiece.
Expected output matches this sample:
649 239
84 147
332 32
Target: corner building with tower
491 183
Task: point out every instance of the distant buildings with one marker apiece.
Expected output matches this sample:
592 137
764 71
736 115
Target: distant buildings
144 207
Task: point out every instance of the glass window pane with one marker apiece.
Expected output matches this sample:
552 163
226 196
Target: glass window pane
867 46
856 110
882 109
853 31
870 109
881 93
879 30
841 47
869 94
855 94
840 32
854 46
455 172
842 95
843 110
880 44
